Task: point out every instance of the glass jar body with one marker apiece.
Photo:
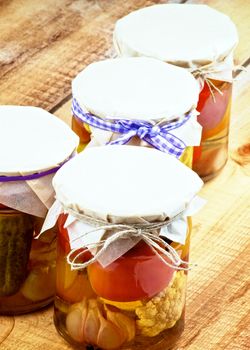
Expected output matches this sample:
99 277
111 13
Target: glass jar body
134 303
27 265
83 131
211 156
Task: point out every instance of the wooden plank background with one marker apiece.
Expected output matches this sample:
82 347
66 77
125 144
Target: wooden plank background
43 45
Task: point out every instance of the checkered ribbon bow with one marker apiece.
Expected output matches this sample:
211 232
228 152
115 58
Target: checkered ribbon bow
158 136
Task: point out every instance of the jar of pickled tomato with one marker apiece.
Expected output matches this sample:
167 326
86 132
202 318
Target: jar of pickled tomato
28 164
137 101
204 40
123 247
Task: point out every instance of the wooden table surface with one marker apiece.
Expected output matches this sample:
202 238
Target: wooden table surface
43 45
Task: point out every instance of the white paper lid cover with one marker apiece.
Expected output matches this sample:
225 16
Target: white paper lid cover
176 33
32 140
125 181
135 88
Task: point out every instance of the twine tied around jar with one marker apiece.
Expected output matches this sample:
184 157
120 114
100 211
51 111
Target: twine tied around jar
149 232
203 73
157 135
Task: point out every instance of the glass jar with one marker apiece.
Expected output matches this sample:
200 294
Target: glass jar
211 156
207 53
27 266
145 309
123 248
123 100
28 165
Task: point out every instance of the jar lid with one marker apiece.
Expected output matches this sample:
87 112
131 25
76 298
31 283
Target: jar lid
32 140
135 88
125 182
189 35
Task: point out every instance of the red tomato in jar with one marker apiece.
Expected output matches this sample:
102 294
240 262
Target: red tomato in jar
63 237
138 274
197 153
64 244
214 111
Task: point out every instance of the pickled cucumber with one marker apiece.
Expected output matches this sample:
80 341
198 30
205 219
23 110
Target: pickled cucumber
16 233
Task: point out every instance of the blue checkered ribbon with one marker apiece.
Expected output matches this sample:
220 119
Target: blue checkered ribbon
157 136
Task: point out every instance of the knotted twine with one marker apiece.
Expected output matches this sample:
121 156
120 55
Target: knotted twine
203 73
149 232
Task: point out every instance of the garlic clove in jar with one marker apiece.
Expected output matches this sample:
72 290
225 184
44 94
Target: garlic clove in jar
75 321
110 336
92 322
101 332
86 323
123 322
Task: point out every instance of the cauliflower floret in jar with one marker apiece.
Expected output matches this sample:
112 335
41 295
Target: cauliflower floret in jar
164 310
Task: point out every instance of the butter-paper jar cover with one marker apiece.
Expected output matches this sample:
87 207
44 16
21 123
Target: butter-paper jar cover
137 89
125 182
32 142
123 185
188 35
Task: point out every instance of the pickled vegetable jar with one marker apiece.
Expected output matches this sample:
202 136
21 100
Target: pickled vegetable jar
137 101
123 247
207 52
27 264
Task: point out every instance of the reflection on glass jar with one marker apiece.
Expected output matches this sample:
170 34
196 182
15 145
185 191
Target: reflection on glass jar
134 303
211 156
27 265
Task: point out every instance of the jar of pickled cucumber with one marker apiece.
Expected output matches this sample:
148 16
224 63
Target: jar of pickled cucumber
33 146
123 247
137 101
203 43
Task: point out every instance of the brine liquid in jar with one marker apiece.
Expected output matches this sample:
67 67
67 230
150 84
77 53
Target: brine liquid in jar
136 302
211 156
187 156
27 265
82 130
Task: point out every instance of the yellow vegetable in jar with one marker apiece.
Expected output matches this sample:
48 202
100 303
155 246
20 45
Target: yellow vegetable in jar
127 306
40 283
